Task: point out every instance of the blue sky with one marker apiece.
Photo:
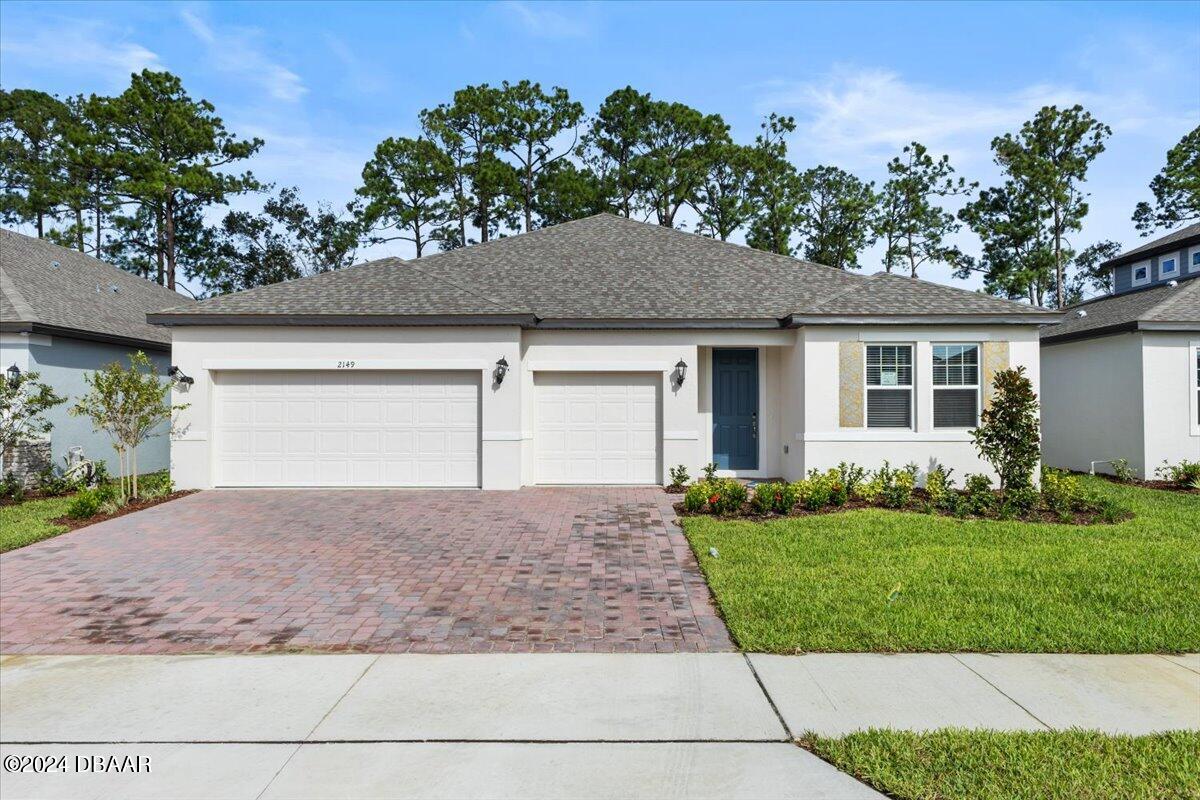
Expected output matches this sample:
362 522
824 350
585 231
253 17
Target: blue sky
323 83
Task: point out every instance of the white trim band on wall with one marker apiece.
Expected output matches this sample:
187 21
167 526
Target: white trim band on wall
338 364
598 366
880 435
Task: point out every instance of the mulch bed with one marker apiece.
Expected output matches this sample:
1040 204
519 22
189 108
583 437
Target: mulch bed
748 514
128 508
1165 486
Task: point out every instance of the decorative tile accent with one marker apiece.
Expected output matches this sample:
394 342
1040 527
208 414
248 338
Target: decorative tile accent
995 359
850 382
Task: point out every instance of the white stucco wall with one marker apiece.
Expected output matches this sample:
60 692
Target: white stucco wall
1169 389
1129 395
826 443
798 387
1092 406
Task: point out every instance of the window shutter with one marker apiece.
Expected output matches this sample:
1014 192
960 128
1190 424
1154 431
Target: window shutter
995 359
850 384
889 408
954 408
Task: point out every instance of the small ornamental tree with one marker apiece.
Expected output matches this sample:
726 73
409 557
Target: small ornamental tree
130 405
23 404
1009 434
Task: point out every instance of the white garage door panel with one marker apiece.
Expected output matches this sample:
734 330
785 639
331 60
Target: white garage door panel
347 429
597 427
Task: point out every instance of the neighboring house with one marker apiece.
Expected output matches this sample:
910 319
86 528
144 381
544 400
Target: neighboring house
601 351
64 314
1121 374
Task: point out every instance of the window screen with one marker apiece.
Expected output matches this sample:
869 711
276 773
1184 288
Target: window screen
889 386
955 385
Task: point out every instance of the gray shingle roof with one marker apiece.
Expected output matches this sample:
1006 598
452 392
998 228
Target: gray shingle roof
1177 238
887 293
1163 304
602 267
76 295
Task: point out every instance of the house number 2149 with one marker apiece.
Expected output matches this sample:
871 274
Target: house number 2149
345 365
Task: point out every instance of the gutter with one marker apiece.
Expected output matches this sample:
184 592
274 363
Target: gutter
87 336
1120 327
797 320
342 320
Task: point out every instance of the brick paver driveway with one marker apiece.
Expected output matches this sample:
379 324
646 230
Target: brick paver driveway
589 569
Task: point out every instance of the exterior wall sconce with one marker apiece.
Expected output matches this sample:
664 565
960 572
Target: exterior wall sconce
14 374
501 370
176 374
680 372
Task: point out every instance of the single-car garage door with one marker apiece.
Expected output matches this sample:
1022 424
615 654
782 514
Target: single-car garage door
597 427
346 428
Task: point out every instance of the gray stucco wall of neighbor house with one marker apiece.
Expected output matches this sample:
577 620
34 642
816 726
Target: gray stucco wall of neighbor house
63 364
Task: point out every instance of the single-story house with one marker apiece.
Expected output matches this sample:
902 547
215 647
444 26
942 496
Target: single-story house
64 314
600 351
1122 372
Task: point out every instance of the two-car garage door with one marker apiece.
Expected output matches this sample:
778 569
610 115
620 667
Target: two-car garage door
347 428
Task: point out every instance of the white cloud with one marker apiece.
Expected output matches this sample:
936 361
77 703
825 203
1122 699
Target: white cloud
80 45
238 51
858 118
545 21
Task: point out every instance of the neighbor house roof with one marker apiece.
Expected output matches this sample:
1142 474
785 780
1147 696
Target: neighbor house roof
49 289
1161 307
601 270
1189 234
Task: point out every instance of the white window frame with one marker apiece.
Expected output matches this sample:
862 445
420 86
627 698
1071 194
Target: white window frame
1133 279
977 386
1191 257
1173 273
911 386
1194 385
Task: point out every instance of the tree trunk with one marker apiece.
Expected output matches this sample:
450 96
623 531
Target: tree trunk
98 216
79 229
417 237
170 230
1058 268
158 245
528 187
133 469
40 226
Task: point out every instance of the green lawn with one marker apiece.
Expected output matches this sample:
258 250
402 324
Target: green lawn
29 522
879 580
989 765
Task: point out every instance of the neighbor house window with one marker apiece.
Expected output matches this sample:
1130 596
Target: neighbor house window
1196 375
1194 259
1141 273
955 385
889 385
1168 266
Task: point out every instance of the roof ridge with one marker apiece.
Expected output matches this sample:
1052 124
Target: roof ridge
9 288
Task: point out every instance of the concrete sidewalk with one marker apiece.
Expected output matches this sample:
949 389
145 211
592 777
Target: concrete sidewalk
587 725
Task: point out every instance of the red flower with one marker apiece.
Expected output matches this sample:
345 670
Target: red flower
712 500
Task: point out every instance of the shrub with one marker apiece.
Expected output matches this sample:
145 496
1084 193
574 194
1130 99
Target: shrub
1009 434
1121 470
11 488
1019 502
869 491
100 474
83 505
1060 491
979 498
696 496
938 486
850 475
894 487
157 484
710 471
1185 473
679 475
773 497
728 496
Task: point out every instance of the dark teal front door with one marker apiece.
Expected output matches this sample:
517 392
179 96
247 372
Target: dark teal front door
735 408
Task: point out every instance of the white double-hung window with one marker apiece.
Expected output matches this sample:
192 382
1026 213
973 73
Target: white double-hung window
889 385
955 385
